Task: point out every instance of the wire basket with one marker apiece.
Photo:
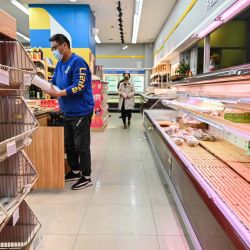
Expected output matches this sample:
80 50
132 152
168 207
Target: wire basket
3 215
16 68
17 123
17 176
20 235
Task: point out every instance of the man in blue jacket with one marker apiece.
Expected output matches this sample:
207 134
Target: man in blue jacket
73 77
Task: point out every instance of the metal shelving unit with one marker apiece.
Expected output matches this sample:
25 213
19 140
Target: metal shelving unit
18 225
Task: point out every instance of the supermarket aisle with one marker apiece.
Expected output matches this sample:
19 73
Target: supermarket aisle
126 209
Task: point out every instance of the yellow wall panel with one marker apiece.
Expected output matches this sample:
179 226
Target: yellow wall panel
39 19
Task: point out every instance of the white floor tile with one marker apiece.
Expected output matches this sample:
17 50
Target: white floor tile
118 219
59 218
120 194
166 221
159 196
122 177
66 196
53 242
99 242
152 177
174 243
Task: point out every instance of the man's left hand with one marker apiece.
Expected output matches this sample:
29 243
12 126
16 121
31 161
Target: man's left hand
53 92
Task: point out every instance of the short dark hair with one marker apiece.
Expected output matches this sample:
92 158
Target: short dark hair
126 73
60 38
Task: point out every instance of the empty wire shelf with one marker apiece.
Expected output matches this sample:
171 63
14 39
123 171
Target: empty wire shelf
17 123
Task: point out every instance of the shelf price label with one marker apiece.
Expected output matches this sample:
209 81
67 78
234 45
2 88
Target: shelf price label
11 148
15 216
4 77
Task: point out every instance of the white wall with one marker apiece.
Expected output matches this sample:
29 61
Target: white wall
111 50
198 15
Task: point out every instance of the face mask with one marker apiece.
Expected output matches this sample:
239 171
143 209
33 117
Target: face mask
57 55
126 78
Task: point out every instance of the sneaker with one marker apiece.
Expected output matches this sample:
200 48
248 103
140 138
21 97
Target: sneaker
82 183
125 126
70 176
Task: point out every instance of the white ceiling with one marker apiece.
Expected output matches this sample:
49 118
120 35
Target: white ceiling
154 14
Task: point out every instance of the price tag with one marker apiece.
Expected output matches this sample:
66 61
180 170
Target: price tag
4 77
27 188
11 148
15 217
27 79
27 141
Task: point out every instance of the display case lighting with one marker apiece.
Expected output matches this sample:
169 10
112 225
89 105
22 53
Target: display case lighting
227 15
234 10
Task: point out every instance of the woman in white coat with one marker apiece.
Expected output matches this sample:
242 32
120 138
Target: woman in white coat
126 102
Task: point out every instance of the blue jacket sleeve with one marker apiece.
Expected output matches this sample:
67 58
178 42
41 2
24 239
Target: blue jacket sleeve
53 80
80 75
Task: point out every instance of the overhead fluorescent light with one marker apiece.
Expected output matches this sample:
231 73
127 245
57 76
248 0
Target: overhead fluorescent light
137 18
97 39
20 6
74 1
125 47
224 17
23 36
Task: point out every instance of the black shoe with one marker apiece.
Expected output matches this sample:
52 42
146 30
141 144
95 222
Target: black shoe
129 123
82 183
70 176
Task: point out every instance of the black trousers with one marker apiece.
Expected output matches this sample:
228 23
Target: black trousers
125 113
77 143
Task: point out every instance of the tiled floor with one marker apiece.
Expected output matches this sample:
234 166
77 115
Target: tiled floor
127 208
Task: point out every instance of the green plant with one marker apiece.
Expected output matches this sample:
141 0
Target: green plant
183 68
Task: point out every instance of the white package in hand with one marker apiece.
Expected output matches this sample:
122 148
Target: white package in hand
43 84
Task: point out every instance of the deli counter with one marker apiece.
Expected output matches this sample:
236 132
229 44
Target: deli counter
202 144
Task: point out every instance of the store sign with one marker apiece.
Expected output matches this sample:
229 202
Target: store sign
211 4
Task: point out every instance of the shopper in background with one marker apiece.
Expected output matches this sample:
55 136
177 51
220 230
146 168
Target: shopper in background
126 102
73 77
119 83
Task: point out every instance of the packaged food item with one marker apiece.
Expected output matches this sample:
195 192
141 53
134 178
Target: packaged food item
192 141
178 141
165 123
215 113
172 129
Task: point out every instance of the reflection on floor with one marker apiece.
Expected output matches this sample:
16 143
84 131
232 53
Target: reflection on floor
127 208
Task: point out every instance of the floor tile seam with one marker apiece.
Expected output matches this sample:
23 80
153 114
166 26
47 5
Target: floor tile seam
58 234
84 216
118 234
147 184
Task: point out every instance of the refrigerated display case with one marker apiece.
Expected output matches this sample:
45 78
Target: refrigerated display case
202 145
